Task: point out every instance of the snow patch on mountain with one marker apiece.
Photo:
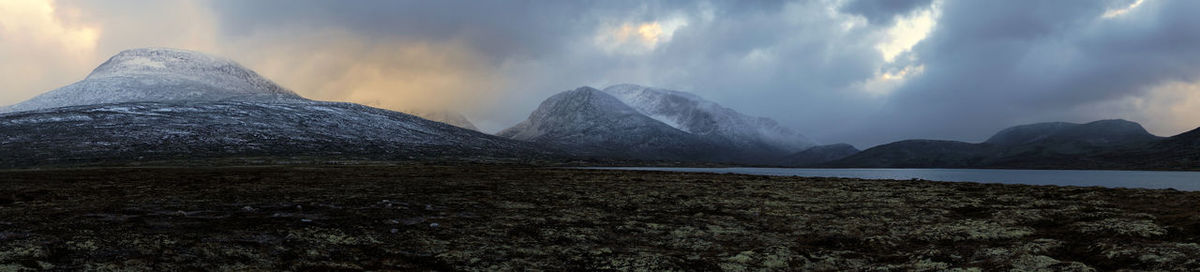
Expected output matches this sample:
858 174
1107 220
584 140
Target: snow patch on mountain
161 75
696 115
152 130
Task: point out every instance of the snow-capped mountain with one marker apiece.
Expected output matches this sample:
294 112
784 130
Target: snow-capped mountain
161 104
590 122
161 75
712 121
448 117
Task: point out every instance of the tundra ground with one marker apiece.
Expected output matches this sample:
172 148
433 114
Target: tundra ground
488 218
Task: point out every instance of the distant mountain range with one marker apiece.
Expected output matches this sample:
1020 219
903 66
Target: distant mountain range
162 104
1106 144
167 104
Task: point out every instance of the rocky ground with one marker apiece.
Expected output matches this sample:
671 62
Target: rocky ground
489 218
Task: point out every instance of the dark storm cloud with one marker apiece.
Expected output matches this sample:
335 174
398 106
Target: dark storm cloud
500 28
745 53
883 12
990 64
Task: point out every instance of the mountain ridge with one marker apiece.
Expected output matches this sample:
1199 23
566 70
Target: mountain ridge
161 75
584 120
132 113
693 114
1039 145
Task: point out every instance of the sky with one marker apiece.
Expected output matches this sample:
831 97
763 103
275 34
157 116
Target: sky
855 71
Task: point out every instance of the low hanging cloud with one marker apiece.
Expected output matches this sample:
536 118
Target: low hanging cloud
857 71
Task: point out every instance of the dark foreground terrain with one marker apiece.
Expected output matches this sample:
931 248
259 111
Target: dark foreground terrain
419 217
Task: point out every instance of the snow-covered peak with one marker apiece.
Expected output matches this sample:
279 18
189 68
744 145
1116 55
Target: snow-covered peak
691 113
594 123
572 110
162 75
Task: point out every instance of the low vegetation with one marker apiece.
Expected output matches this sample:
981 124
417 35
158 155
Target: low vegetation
489 218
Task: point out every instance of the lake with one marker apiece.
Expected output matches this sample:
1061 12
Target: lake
1184 181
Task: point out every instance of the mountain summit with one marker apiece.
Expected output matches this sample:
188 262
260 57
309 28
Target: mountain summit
590 122
635 122
690 113
161 75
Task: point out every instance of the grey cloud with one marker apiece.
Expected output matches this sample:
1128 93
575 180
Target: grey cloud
883 11
987 64
499 28
991 64
807 53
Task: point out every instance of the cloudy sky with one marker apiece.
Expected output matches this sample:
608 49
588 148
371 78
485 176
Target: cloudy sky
857 71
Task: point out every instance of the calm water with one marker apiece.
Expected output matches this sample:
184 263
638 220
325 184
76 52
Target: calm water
1186 181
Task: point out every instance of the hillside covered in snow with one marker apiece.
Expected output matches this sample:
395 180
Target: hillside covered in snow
163 104
162 75
634 122
708 119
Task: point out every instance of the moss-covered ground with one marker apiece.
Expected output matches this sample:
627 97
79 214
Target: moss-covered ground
500 218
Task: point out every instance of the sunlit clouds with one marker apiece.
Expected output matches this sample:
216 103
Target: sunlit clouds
37 46
1167 109
637 38
1121 11
907 31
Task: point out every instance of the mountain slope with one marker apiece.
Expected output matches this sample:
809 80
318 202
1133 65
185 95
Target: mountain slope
1179 152
452 118
1098 133
157 104
1043 145
162 75
690 113
154 131
1024 134
919 154
820 154
590 122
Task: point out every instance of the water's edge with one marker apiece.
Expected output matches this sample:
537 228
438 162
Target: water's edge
1178 180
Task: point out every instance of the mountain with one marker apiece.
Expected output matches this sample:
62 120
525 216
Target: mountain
690 113
1179 152
1030 133
820 154
1042 145
161 75
448 117
590 122
165 104
1098 133
919 154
